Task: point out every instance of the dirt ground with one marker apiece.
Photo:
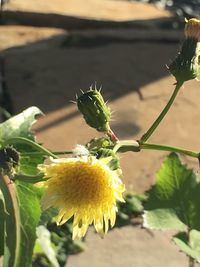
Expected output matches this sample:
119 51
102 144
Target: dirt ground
112 10
47 66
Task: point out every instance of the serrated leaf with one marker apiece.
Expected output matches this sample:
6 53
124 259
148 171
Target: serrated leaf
173 201
191 245
19 125
44 239
21 218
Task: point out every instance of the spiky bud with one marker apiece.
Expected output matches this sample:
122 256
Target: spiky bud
9 159
94 110
185 66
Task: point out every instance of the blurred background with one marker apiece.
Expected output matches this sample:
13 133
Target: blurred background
49 50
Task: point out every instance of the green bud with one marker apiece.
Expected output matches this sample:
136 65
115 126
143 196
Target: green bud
97 143
9 159
94 109
185 66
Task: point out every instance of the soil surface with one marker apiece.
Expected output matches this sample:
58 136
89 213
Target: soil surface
47 66
97 9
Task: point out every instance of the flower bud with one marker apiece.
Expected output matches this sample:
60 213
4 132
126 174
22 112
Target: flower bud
114 163
97 143
94 109
185 66
9 159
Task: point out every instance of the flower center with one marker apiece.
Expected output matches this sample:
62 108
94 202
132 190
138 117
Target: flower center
86 183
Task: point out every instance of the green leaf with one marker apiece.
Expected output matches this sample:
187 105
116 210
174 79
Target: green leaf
44 239
130 209
19 125
162 219
2 224
133 204
191 245
28 165
174 200
21 219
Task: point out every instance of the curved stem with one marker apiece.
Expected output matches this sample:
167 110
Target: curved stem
146 136
38 147
190 153
126 146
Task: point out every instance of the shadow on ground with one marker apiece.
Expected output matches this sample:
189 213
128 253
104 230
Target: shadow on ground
56 20
49 73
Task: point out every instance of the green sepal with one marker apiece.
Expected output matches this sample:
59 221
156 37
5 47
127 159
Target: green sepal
114 163
97 143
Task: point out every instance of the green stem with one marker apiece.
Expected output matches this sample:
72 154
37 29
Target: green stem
153 127
136 146
38 147
42 153
29 178
190 153
126 146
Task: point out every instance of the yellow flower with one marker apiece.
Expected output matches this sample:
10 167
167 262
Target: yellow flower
85 188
